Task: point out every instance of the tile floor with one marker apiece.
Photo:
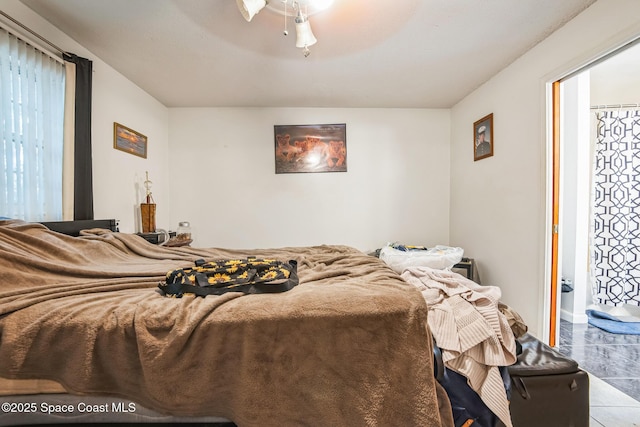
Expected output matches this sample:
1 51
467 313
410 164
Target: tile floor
612 363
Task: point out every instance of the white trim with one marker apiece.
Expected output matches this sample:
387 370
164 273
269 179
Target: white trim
574 317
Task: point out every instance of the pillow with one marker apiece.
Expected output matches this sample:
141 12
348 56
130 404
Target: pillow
402 257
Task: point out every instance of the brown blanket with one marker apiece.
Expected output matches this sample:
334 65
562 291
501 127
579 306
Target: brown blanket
347 346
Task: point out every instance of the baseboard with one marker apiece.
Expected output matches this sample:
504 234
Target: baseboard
573 317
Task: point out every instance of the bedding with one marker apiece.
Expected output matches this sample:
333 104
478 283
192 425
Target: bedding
348 346
474 335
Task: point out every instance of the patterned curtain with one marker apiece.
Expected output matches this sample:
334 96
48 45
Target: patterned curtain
615 234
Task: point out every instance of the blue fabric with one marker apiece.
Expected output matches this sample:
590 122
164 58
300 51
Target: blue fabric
408 248
611 324
465 402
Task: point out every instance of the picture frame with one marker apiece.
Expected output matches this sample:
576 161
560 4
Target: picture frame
128 140
310 148
483 138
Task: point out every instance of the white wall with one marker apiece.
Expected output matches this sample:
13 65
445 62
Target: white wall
615 81
499 204
396 188
116 175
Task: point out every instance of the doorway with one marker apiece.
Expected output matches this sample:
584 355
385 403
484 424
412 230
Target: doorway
609 81
610 84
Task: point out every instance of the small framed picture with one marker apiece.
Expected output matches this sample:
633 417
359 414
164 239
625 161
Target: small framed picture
311 148
129 141
483 138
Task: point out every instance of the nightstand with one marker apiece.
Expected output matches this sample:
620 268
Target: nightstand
467 267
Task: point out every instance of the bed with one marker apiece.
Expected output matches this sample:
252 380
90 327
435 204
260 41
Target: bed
82 321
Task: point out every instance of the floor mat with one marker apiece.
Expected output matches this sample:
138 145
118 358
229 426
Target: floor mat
611 324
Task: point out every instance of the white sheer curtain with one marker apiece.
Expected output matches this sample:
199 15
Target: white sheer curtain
31 131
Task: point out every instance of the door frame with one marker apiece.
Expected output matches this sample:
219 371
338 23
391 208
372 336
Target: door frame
555 212
626 39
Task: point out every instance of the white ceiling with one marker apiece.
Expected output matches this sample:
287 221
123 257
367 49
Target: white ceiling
382 53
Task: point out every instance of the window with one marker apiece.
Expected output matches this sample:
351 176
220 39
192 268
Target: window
31 131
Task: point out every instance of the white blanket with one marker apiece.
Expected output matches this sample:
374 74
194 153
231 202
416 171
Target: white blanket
473 334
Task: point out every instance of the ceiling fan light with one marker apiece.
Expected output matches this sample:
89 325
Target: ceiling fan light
304 35
249 8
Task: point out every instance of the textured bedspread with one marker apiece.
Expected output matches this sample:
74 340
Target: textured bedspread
347 346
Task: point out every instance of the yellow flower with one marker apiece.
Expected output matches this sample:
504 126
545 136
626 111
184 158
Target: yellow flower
270 275
285 272
218 277
232 270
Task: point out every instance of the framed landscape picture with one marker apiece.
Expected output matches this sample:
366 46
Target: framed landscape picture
129 141
310 148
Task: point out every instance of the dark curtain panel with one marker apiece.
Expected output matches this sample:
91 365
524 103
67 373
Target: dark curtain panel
83 175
